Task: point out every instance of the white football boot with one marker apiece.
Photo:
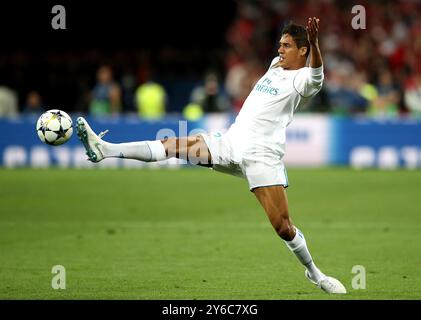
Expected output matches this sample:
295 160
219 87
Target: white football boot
328 284
92 142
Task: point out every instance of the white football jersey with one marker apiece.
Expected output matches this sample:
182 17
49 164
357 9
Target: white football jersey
260 127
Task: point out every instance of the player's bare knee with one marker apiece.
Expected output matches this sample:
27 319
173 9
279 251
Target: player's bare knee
284 229
171 146
198 151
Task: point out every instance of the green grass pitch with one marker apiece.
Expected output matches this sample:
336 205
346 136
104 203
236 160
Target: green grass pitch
197 234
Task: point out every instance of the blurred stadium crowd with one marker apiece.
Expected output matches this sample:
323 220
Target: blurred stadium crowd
374 71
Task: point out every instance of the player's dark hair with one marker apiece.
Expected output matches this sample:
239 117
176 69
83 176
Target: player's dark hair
299 34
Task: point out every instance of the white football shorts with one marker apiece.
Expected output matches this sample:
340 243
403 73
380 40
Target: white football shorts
258 171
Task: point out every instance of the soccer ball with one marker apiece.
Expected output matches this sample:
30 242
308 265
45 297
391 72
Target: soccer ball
54 127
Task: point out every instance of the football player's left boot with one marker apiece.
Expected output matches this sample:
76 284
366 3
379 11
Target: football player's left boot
92 142
328 284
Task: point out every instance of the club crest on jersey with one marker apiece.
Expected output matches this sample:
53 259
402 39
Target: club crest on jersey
265 87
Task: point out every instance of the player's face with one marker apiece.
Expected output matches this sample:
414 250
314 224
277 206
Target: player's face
290 57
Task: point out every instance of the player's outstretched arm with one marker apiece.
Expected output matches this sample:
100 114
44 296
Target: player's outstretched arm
312 35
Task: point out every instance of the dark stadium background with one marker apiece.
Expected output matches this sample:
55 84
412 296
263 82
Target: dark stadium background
192 32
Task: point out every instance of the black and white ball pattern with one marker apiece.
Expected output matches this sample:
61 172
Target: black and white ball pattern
54 127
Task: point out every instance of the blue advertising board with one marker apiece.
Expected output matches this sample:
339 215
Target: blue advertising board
383 143
20 145
356 142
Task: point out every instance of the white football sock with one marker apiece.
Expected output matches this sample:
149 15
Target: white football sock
298 245
147 151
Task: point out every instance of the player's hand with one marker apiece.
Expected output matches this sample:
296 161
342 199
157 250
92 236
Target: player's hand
313 30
